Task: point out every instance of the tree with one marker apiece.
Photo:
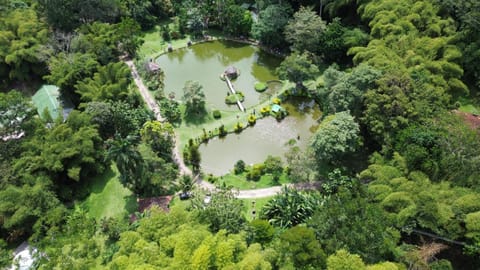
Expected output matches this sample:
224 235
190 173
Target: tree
67 69
109 83
70 14
348 221
270 26
21 206
305 30
194 98
128 160
160 137
223 211
117 117
388 107
261 231
299 248
68 153
239 21
22 37
337 136
297 68
301 165
343 260
344 91
15 111
186 183
170 110
128 35
274 166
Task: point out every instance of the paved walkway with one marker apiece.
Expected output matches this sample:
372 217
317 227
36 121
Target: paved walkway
177 157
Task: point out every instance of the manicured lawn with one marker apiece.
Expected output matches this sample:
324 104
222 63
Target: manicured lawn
468 105
108 197
257 206
469 108
240 181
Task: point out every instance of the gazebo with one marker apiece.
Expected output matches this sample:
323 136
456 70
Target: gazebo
231 72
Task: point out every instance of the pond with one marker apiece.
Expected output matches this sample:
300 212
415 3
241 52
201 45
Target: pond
205 62
267 137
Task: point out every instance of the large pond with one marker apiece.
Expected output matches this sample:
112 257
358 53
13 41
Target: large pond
205 62
267 137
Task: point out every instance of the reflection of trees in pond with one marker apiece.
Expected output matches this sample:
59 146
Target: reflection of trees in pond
205 51
177 55
263 58
234 52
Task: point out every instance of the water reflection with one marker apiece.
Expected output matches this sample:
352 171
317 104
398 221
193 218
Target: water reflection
205 62
267 137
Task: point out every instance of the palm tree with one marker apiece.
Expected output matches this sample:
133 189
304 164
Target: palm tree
129 161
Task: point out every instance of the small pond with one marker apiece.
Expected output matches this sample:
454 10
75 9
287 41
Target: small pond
205 62
267 137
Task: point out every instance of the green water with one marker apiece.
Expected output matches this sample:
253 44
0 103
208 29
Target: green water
206 61
267 137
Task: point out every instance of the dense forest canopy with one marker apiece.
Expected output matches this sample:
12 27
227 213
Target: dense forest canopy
395 163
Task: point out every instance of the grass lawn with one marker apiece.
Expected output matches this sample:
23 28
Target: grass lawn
257 206
240 181
468 105
108 197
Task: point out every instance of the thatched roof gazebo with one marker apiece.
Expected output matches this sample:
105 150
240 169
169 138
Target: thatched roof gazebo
231 72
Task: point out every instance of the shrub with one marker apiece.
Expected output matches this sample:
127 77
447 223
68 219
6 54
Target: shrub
217 114
232 99
260 86
255 172
276 101
238 127
265 110
222 132
175 35
239 167
165 33
252 119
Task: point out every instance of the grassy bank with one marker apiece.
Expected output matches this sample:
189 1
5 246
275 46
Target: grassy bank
108 197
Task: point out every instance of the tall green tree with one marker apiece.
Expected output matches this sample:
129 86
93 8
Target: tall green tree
221 211
270 26
111 82
128 160
67 69
305 30
67 15
160 137
338 135
238 21
22 50
21 206
298 68
68 153
343 260
299 249
348 220
389 108
194 98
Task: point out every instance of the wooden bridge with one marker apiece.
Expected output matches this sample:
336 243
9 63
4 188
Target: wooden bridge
232 89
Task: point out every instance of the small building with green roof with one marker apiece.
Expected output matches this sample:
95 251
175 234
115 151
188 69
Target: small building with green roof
48 98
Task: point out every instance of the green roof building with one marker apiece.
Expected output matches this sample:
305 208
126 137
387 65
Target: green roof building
48 97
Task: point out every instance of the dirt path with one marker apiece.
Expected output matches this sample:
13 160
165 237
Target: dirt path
151 103
177 157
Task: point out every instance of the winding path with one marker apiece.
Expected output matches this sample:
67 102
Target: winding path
152 105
